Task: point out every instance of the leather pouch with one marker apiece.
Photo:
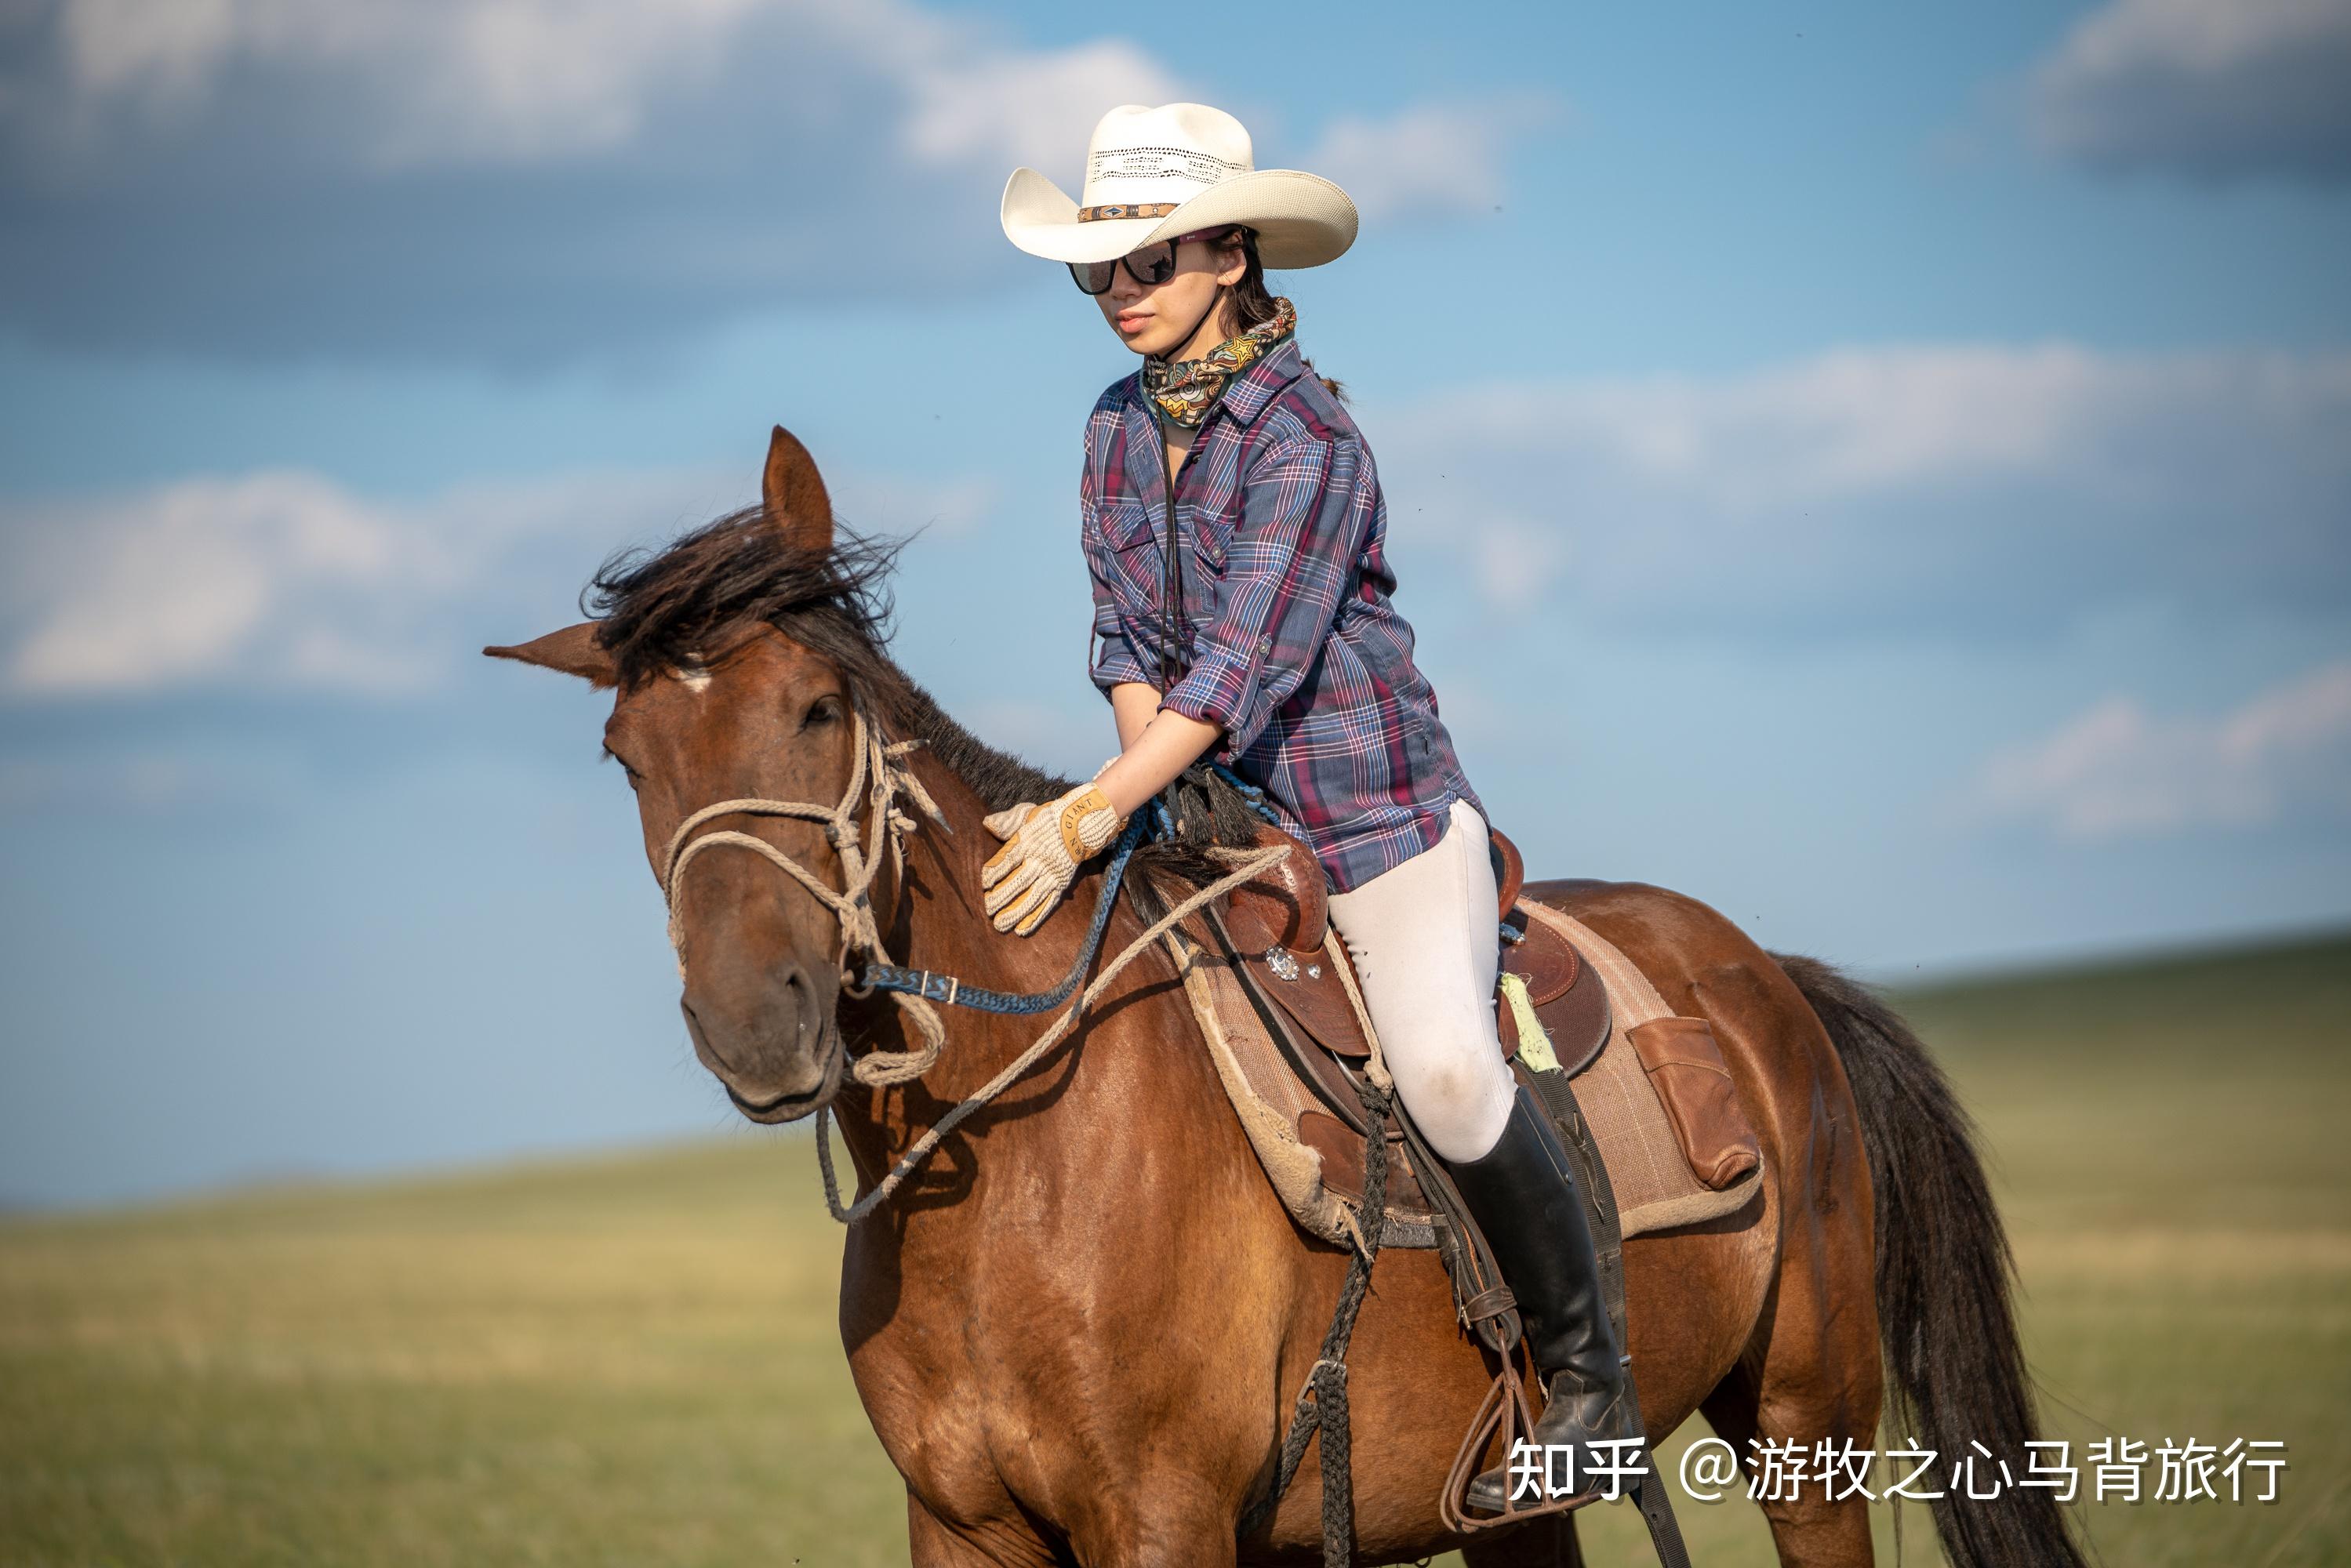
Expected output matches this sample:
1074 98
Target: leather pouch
1686 1067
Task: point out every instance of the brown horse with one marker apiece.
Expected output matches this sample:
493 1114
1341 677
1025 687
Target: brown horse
1079 1330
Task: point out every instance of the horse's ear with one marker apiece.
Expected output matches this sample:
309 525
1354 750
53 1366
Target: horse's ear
797 503
574 650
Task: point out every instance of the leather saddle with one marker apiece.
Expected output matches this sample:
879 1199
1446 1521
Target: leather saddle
1278 939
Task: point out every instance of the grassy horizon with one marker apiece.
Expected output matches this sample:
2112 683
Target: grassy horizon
633 1359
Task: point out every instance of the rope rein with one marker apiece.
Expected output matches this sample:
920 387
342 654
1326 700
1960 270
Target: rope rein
879 774
1247 868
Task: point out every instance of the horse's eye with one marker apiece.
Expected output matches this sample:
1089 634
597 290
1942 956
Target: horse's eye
614 757
826 710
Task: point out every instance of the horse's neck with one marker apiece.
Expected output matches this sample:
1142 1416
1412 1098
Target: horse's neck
1065 1127
941 924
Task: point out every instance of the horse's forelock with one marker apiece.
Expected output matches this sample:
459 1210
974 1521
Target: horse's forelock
664 609
657 608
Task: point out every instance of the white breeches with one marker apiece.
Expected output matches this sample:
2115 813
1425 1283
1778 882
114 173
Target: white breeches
1425 941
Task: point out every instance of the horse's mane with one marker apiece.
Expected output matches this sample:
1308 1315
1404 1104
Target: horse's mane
658 608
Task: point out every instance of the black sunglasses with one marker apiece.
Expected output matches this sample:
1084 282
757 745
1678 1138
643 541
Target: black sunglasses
1151 266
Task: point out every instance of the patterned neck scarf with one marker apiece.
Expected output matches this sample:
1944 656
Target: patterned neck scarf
1187 390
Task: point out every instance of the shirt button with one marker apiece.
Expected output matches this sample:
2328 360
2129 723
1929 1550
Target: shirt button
1265 642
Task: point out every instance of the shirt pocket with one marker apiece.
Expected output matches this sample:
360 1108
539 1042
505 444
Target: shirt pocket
1131 531
1127 526
1212 532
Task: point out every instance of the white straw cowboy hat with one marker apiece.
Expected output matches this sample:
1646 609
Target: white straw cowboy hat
1155 173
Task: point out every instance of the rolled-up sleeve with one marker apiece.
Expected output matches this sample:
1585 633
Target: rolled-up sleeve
1286 567
1113 661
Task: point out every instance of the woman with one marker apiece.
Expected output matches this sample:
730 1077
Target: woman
1266 639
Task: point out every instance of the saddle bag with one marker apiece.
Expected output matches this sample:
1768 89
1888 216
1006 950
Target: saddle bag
1693 1084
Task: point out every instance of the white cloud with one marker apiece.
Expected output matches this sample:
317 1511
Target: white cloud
1964 491
1434 157
521 82
2118 770
509 180
464 81
516 181
2211 88
1955 485
1517 559
275 578
1027 106
286 580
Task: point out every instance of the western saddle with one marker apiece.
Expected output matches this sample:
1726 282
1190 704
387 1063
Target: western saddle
1275 929
1274 935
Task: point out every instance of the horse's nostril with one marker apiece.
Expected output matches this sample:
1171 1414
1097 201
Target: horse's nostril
802 1000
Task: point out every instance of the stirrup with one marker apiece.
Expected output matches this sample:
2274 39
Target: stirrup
1507 1410
1592 1440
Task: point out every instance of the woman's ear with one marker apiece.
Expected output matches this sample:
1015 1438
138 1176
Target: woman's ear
1235 267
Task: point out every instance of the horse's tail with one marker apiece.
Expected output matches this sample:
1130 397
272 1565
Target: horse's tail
1946 1316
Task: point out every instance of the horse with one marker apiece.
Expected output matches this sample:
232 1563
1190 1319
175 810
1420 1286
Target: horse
1079 1328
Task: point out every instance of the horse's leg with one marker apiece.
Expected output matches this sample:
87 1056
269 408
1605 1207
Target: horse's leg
1811 1373
1157 1519
1818 1380
1546 1543
932 1543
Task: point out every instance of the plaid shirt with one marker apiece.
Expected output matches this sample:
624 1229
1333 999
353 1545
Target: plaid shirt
1293 647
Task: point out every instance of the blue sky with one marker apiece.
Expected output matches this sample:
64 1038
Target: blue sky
1887 473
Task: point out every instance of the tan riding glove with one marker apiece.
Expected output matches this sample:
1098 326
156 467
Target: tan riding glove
1043 845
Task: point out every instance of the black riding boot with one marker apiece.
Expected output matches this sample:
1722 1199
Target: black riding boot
1523 1195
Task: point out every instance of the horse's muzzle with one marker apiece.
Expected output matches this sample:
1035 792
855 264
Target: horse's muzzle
775 1048
790 1107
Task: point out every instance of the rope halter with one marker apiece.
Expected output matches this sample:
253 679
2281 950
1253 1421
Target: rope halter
879 773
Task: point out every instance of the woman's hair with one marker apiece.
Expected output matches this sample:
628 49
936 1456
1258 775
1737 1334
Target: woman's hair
1249 302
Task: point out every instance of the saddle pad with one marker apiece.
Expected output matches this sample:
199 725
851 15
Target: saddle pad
1654 1186
1647 1168
1269 1098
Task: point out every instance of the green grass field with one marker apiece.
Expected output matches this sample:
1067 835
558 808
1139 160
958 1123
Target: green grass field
633 1361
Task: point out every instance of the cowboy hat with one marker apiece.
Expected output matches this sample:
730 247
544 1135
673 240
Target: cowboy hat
1155 174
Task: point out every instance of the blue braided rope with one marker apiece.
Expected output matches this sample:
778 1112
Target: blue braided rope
948 989
1253 794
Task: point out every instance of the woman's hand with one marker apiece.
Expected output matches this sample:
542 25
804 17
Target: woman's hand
1043 845
1028 876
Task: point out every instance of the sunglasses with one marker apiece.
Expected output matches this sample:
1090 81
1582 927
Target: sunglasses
1151 266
